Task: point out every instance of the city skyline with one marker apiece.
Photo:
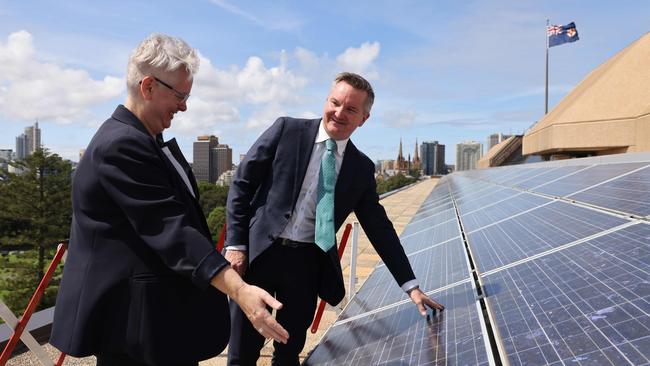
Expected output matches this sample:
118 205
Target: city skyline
446 72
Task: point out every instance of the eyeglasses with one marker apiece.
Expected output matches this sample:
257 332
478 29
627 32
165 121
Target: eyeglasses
182 97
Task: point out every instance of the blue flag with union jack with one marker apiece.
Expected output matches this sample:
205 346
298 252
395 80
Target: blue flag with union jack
561 34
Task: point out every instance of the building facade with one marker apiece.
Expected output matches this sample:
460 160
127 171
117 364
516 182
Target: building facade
467 155
202 150
28 142
211 159
433 158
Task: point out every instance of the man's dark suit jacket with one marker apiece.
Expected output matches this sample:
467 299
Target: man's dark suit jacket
265 189
137 276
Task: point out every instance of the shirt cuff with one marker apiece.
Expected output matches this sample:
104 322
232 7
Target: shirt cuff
239 248
410 285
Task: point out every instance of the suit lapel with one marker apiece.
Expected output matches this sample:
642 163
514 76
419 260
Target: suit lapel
172 145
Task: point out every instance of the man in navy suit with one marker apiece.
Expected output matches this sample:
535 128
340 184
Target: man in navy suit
273 225
143 283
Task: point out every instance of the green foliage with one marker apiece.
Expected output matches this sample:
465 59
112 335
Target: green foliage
35 216
394 182
212 196
18 280
216 219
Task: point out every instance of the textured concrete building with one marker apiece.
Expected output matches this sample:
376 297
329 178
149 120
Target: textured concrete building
607 113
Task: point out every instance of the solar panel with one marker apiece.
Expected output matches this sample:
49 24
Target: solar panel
531 233
560 281
436 267
499 210
430 236
399 335
424 222
550 175
587 304
626 194
586 178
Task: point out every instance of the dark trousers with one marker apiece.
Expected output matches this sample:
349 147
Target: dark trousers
121 359
292 275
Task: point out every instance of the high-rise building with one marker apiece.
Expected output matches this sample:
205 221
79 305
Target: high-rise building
202 149
433 158
495 139
467 155
211 159
221 160
28 142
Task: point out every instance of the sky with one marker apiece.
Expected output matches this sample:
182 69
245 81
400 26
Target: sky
446 71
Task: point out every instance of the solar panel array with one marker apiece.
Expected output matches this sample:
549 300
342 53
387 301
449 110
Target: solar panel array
536 264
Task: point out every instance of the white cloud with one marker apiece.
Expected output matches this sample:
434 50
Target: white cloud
263 118
360 60
30 89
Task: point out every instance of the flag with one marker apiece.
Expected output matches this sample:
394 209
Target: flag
560 34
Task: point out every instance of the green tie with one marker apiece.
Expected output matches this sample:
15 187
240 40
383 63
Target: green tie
325 235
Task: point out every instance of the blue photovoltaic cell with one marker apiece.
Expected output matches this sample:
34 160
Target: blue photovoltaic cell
440 266
501 210
630 194
550 175
429 237
584 305
586 178
426 222
488 197
401 336
542 229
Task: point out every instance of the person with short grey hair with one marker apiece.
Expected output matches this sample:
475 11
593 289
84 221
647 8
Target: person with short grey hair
143 283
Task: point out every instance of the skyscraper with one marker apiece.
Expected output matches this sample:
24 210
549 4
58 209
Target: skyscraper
221 160
467 155
28 142
433 158
202 149
211 159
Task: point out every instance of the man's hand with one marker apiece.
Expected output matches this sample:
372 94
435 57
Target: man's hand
253 302
420 299
238 260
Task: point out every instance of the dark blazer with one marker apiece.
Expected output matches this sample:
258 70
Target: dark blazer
265 189
140 260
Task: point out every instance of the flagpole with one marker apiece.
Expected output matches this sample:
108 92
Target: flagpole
546 89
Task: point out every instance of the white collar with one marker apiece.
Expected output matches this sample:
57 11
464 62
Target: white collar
322 136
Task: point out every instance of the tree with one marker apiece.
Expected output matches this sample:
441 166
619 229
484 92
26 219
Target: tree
36 209
211 196
216 219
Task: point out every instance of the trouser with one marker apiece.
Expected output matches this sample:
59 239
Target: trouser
122 359
292 275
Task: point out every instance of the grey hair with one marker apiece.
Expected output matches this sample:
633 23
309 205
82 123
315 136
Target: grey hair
159 53
358 82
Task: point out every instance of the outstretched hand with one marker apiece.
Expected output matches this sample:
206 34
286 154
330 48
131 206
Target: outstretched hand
253 302
421 299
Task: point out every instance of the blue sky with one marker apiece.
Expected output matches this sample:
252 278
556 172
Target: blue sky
442 70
